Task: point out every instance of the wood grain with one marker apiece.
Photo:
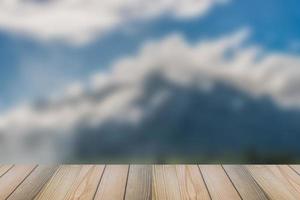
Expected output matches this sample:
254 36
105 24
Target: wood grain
278 182
165 183
139 183
191 183
178 182
145 182
113 183
60 184
85 186
13 178
33 183
244 182
218 184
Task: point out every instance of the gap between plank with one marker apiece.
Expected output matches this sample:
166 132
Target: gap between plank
99 182
232 182
124 196
58 167
204 182
7 170
294 170
267 196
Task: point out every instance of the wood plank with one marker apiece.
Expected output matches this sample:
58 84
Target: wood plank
85 182
218 183
33 183
244 182
178 182
291 177
278 182
13 178
60 184
191 183
113 183
165 183
85 186
4 169
139 182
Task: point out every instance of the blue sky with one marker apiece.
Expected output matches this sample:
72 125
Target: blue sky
274 26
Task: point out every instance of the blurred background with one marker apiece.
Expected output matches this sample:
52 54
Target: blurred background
161 81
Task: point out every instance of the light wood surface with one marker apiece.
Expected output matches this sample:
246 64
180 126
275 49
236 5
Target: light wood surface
61 182
218 183
178 182
33 183
13 178
113 183
86 183
244 182
4 169
145 182
274 181
139 182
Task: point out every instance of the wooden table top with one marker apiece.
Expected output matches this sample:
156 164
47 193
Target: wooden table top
138 182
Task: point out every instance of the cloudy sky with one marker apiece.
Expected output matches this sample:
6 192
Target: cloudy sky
72 39
84 59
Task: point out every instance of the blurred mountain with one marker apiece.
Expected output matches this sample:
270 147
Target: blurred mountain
194 124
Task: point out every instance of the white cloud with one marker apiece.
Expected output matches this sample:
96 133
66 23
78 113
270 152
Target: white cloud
78 21
110 96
